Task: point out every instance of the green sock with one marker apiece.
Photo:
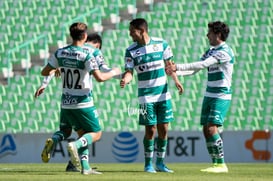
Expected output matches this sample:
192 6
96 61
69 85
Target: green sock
84 156
83 141
161 150
217 147
148 151
210 150
58 136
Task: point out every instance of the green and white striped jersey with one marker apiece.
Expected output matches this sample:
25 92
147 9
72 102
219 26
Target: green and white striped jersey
76 64
148 61
220 74
98 57
219 61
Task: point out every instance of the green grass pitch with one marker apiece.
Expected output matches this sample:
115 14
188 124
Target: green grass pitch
134 171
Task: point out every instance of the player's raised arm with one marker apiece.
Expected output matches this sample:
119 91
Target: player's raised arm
48 72
178 85
127 77
103 76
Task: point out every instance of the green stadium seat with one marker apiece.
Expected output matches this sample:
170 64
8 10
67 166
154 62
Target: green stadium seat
232 123
4 37
7 106
3 90
30 126
129 124
47 126
164 7
4 116
103 114
14 126
23 104
19 115
2 127
113 124
34 114
180 123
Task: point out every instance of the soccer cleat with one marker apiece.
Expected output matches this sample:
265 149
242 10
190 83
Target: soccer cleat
47 150
149 169
71 168
74 156
90 171
162 168
219 168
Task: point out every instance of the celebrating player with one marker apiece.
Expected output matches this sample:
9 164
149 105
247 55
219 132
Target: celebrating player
148 56
93 45
218 60
76 64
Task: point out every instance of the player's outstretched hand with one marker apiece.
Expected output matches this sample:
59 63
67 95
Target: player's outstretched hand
180 88
116 71
170 68
57 73
39 91
122 83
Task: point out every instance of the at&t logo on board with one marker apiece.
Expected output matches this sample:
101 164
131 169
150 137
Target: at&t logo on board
125 147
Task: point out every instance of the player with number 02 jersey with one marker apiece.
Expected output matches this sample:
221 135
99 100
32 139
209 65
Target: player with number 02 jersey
77 108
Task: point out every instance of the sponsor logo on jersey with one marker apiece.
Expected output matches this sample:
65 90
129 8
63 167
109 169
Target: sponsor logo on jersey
74 55
213 68
69 63
68 100
145 67
156 56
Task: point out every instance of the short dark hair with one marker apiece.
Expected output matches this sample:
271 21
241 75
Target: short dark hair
219 27
139 23
77 31
94 38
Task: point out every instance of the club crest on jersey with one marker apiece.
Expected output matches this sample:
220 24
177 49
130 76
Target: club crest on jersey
155 47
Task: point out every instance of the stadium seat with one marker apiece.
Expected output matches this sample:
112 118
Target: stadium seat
2 127
30 126
14 126
47 126
180 123
113 125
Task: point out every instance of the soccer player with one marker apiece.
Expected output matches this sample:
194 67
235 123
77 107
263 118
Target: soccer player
218 60
93 45
148 56
76 64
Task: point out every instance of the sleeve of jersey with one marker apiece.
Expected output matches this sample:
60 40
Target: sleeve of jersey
91 64
129 63
167 54
197 65
101 62
52 61
221 56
